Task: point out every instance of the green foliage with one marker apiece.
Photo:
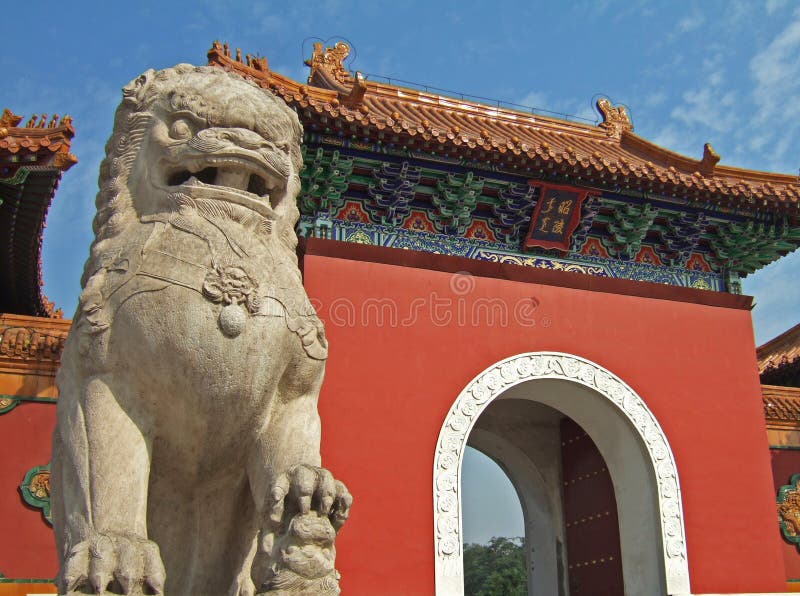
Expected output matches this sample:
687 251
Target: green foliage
495 569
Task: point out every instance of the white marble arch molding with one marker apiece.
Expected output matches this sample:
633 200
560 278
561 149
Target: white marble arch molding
492 383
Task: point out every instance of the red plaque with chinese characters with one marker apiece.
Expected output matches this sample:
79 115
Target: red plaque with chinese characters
556 216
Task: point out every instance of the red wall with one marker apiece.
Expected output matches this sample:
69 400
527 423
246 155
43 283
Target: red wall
388 388
27 548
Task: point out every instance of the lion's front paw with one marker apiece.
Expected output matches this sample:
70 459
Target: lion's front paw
296 552
305 488
112 564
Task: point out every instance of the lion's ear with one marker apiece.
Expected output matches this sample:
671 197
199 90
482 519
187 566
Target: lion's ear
134 91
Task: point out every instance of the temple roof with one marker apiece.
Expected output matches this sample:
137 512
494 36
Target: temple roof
779 359
32 159
608 155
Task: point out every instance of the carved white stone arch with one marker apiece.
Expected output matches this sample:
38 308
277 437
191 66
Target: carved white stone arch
494 382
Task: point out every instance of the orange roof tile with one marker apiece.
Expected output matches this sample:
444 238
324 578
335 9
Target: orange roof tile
781 404
608 156
49 140
26 338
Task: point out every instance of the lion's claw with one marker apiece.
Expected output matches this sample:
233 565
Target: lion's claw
115 564
340 510
303 488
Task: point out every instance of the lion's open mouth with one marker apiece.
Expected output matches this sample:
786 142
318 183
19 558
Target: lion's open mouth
231 179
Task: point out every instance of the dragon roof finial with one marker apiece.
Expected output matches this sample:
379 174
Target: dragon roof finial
331 60
615 118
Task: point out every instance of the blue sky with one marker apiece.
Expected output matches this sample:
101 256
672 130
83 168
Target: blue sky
725 72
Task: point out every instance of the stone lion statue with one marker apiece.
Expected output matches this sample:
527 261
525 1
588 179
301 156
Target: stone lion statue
186 452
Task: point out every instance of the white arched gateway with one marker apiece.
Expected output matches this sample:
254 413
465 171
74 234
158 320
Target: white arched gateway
635 449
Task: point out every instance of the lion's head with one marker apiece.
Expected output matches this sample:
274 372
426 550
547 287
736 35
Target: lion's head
199 135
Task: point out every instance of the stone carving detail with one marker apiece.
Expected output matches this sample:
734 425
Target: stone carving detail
789 510
195 359
548 365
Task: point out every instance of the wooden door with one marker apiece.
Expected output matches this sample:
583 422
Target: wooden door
594 565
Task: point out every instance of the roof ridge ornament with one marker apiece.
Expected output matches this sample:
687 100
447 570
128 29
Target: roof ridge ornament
615 118
709 160
9 120
331 60
50 138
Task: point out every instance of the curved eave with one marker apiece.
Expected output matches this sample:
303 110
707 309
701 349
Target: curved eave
22 216
533 145
780 351
32 160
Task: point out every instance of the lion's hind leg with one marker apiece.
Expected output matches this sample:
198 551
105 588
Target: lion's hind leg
101 481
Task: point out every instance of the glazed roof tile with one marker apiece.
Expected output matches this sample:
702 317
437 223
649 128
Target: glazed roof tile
781 404
31 338
608 155
49 140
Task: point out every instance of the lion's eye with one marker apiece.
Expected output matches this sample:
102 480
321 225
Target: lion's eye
180 129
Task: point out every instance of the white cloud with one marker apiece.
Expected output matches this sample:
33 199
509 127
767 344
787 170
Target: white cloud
737 13
676 140
690 22
777 293
558 108
777 67
271 23
774 6
584 110
758 141
534 99
775 71
772 133
655 99
707 108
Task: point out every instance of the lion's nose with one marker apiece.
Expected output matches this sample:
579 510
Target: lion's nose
211 140
241 137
